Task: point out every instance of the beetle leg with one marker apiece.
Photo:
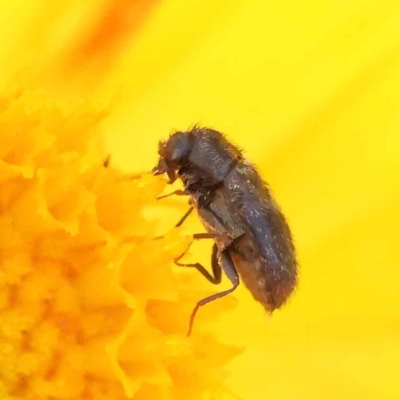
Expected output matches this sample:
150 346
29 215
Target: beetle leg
178 193
196 236
215 277
224 261
225 240
174 193
207 235
182 220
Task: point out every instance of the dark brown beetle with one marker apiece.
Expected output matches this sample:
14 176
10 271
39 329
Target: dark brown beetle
252 237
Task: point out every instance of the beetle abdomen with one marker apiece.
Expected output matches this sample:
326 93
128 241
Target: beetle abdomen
270 284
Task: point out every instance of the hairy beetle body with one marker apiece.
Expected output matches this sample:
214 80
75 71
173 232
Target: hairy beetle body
236 206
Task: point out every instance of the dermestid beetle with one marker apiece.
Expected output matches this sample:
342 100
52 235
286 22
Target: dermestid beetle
252 238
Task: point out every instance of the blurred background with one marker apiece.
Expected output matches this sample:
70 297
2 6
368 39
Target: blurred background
310 90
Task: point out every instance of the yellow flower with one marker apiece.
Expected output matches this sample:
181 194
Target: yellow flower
90 307
310 90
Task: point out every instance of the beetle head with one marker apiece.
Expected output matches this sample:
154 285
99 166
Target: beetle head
173 154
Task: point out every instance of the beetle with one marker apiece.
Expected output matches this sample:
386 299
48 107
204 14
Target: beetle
252 239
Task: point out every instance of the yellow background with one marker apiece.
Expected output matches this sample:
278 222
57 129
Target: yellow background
311 91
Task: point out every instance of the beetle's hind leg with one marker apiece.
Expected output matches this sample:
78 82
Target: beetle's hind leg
216 275
221 261
197 236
